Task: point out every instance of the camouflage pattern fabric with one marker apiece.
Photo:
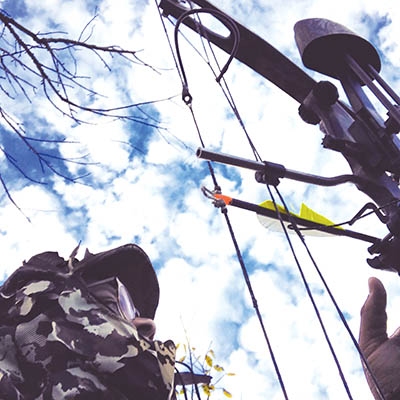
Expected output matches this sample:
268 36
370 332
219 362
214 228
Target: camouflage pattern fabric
57 341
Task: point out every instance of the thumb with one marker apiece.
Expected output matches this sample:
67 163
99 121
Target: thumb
373 318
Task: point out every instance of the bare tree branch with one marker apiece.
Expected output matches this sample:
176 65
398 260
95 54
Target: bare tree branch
8 194
47 62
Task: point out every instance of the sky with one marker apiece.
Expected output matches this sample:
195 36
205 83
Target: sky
145 187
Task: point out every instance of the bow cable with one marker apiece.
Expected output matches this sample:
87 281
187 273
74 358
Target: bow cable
307 286
330 294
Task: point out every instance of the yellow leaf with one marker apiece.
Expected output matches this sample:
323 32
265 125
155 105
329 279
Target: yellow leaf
218 368
230 374
226 393
211 352
182 358
206 390
209 360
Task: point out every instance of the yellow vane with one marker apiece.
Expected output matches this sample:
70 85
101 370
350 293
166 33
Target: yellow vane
306 213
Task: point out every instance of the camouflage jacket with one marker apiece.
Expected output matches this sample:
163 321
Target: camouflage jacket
58 342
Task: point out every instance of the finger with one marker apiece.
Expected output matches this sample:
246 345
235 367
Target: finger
373 318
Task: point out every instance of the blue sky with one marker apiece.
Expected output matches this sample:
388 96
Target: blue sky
144 186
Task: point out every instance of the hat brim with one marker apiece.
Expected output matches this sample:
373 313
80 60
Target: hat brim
133 268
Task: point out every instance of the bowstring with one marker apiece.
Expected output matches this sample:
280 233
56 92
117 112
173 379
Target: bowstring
224 210
230 228
230 99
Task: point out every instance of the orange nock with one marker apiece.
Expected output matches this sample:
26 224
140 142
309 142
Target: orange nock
226 199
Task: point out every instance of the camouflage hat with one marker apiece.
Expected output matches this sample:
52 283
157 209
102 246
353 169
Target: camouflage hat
133 268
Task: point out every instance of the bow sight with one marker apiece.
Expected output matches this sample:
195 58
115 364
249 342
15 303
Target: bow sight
356 130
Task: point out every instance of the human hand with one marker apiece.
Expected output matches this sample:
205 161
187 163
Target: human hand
381 352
